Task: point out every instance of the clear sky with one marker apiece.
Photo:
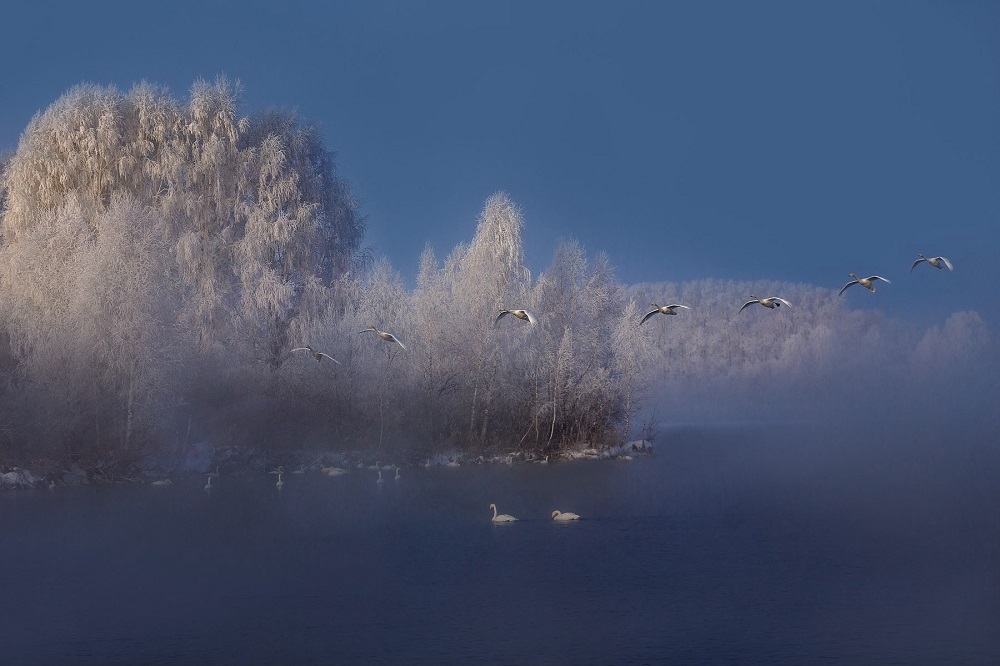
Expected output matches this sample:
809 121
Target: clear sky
794 141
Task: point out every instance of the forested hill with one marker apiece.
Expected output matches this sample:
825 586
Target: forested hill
164 262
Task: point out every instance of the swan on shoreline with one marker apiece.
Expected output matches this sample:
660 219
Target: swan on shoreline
561 517
503 517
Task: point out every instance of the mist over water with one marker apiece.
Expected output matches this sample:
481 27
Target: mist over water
770 543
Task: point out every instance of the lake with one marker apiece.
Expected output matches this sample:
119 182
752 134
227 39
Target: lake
759 544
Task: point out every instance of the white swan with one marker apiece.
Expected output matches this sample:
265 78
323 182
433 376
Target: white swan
379 480
280 484
163 482
936 262
333 471
398 477
453 463
520 314
561 517
663 309
208 486
770 302
52 484
318 355
867 282
216 472
388 337
300 470
503 517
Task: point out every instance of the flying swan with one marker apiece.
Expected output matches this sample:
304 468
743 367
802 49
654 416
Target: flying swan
388 337
936 262
520 314
561 517
663 309
503 517
318 355
867 282
770 302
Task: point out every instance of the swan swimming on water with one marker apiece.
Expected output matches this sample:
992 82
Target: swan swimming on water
770 302
379 480
503 517
318 355
388 337
163 482
280 484
208 486
398 477
663 309
520 314
561 517
867 282
936 262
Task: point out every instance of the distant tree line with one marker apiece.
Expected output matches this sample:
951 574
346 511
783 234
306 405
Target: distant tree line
160 260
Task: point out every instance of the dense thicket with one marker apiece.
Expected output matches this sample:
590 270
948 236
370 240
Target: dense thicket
150 247
161 259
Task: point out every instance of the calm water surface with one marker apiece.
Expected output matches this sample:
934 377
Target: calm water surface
732 545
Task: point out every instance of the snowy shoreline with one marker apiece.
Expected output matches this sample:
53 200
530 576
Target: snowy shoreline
203 458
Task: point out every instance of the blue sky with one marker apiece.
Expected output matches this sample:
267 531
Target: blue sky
774 140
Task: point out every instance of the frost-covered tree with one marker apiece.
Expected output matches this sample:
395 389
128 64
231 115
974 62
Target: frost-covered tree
249 210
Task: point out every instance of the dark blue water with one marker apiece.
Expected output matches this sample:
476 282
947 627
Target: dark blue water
753 545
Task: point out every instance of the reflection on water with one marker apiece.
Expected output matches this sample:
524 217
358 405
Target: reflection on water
760 546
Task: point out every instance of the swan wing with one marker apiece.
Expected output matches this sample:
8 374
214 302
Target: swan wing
947 263
330 357
677 305
396 340
308 349
531 318
879 277
500 316
746 304
847 285
915 263
643 321
781 300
